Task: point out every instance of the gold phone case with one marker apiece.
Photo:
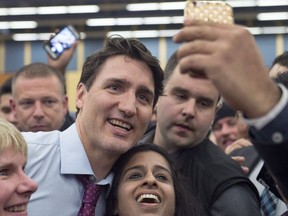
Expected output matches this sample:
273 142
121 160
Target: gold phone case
209 11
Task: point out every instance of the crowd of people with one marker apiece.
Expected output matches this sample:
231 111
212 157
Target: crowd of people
140 138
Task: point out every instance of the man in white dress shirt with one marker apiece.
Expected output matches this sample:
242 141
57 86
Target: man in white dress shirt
117 91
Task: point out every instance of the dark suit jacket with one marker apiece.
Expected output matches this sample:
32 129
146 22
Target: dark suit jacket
272 144
216 180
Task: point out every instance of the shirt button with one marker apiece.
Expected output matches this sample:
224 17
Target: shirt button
277 137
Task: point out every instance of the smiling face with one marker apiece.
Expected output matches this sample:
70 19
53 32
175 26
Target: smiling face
225 131
16 187
115 111
185 112
146 187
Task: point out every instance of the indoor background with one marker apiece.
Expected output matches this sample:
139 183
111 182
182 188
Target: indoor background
24 25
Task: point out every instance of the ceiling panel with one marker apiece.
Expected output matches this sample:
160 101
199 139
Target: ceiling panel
116 9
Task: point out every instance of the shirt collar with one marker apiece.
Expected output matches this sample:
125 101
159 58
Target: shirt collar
73 156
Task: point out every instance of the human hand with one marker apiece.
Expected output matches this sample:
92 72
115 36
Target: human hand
240 160
229 57
240 143
64 59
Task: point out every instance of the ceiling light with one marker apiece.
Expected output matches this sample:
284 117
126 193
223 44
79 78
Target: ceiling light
83 35
172 5
125 34
242 3
22 11
274 30
157 20
25 37
73 9
156 6
44 36
3 11
52 10
181 4
255 30
272 16
22 24
4 25
144 33
39 36
129 21
18 25
268 30
83 9
142 7
135 34
272 3
167 33
101 22
134 21
177 19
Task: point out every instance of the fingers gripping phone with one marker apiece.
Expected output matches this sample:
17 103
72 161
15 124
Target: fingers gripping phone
61 41
209 11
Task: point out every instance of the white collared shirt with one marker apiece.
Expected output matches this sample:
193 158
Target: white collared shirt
53 160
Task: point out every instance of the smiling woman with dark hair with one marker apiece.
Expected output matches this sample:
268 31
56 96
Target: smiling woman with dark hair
146 181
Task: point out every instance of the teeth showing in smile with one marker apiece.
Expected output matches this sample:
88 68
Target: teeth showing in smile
120 124
148 198
16 208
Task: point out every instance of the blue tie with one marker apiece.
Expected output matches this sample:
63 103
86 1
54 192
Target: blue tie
268 203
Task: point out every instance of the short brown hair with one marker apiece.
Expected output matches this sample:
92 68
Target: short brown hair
39 69
117 45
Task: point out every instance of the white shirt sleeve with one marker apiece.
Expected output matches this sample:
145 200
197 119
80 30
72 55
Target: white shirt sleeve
262 121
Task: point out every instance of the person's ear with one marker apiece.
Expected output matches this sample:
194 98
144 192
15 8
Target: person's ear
80 95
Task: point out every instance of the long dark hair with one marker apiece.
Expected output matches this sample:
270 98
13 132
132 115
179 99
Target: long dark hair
184 205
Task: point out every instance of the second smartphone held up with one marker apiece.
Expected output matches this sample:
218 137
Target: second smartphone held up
61 41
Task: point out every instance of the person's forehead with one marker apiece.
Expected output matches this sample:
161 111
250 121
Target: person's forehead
193 84
8 152
144 158
226 119
38 80
51 83
125 68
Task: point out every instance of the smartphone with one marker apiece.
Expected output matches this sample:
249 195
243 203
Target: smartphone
209 11
61 41
266 179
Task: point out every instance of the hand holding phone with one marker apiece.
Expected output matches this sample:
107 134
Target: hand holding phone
61 41
209 11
